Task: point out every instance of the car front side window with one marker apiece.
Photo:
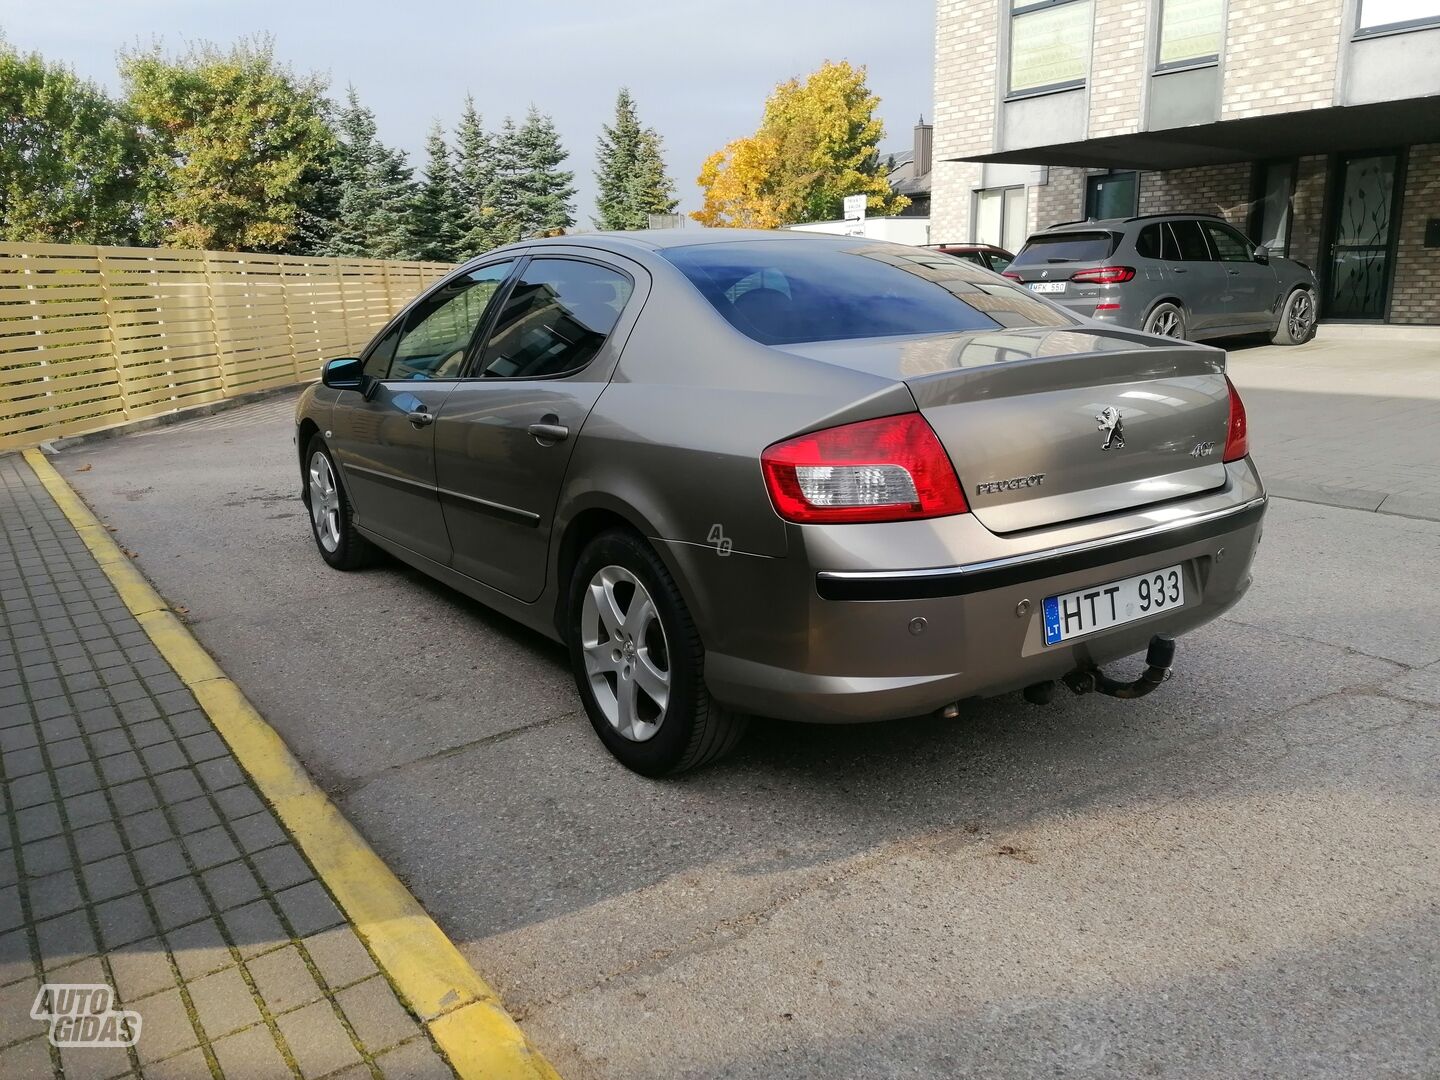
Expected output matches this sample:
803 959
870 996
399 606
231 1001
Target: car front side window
377 360
555 320
438 331
1231 245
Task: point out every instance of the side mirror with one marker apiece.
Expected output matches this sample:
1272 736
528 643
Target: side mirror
1262 254
343 374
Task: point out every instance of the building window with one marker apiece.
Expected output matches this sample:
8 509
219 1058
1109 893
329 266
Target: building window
1271 211
1000 217
1383 16
1049 44
1111 195
1190 32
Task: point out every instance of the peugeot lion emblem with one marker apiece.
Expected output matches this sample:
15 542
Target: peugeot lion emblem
1114 428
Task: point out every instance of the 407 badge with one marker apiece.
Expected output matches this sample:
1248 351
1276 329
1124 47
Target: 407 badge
83 1014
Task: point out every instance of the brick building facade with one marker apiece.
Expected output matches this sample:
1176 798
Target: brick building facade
1312 125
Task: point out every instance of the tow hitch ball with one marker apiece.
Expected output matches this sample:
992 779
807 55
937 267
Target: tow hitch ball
1158 658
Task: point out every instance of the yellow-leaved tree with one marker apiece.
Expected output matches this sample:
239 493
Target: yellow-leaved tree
817 143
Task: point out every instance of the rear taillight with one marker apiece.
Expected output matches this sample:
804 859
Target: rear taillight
1104 275
890 469
1011 275
1237 438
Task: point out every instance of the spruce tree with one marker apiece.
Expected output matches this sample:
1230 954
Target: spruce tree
502 191
437 218
375 190
630 174
474 181
544 192
652 190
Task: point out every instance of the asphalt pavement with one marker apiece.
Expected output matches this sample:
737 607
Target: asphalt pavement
1236 876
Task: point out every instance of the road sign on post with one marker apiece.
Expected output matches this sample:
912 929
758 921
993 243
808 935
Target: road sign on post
855 214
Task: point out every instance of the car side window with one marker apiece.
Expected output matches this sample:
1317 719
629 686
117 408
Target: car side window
1231 245
1190 241
437 333
377 361
1147 244
998 262
556 319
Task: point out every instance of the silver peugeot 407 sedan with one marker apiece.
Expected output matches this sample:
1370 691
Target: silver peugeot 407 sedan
788 475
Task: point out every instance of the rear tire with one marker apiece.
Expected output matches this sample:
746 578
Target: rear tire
332 520
632 641
1167 320
1297 319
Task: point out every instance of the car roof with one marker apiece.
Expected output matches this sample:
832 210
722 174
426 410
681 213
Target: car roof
661 239
643 242
1119 223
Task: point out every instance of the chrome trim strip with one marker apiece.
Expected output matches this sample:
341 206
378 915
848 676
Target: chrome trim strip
500 508
1046 554
383 475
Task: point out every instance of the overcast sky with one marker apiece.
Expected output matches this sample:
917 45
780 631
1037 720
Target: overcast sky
700 70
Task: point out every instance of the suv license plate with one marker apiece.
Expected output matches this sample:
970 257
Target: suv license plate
1047 286
1072 615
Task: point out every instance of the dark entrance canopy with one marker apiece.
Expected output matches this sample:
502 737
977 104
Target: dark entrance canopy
1293 134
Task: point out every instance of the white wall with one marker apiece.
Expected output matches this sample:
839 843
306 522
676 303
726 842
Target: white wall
897 230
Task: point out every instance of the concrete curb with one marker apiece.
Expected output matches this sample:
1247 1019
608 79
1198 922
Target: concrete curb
462 1013
1376 502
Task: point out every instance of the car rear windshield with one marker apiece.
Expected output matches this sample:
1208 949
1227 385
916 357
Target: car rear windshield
782 292
1067 247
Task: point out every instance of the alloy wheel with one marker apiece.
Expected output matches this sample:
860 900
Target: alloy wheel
1167 324
1302 316
627 658
324 501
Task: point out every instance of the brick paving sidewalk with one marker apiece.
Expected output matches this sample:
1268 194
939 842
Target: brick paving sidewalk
137 854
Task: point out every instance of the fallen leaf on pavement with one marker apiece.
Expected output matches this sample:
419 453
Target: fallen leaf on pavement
85 468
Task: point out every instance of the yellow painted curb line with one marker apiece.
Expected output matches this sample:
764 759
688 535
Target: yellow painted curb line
463 1014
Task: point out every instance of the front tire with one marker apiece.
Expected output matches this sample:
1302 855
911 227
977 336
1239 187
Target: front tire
332 521
1167 320
1297 319
639 662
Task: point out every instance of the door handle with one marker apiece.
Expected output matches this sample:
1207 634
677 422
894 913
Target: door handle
549 433
420 416
1179 270
1233 273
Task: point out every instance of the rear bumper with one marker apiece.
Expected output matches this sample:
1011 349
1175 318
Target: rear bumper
863 645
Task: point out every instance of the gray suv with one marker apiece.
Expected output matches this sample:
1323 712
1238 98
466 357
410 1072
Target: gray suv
1180 275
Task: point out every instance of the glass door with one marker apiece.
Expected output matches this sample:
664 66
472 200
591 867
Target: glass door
1362 237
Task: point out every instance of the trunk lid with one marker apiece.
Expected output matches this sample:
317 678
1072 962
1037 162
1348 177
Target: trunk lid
1023 416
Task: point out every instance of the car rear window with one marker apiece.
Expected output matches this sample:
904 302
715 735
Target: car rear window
1066 247
783 292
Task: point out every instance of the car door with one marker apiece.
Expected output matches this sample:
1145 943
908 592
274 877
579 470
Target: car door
383 436
504 441
1196 276
1250 286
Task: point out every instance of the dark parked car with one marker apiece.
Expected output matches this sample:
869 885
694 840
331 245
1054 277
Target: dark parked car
987 255
1181 275
820 478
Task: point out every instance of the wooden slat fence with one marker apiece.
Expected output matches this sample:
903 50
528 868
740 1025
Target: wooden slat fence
94 337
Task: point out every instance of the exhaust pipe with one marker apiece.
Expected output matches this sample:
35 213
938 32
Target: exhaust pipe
1158 659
